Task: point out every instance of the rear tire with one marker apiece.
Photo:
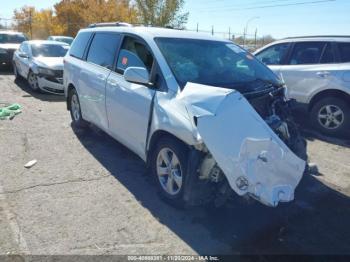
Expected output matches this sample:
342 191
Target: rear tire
331 116
169 167
75 109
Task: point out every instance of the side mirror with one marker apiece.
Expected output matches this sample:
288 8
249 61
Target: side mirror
137 75
23 55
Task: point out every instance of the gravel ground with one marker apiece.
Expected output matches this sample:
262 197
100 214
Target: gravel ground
88 194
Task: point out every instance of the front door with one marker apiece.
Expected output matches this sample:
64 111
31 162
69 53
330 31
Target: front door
129 104
274 56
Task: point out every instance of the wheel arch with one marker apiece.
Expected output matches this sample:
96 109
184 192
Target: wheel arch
69 89
155 137
328 93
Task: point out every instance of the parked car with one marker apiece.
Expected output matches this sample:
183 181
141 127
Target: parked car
41 63
205 115
316 71
9 43
65 39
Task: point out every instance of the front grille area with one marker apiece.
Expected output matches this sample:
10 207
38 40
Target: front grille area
262 105
57 78
58 73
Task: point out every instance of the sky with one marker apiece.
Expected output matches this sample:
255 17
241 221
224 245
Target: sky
279 18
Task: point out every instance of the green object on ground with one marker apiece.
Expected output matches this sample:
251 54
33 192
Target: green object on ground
10 111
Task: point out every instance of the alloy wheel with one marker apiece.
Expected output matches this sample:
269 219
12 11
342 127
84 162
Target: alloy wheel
331 117
169 171
75 107
33 81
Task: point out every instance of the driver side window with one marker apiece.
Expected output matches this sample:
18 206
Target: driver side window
274 55
134 54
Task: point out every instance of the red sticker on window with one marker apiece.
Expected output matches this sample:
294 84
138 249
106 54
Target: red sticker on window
125 61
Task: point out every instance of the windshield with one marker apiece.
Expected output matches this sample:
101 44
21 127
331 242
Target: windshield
12 38
49 50
214 63
64 40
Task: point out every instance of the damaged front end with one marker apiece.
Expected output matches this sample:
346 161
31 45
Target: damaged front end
251 144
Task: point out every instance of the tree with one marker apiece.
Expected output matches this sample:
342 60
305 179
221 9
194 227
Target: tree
24 19
68 16
162 13
76 14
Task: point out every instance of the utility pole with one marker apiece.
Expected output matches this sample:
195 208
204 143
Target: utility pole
197 27
212 30
256 33
246 28
244 37
30 23
229 33
68 25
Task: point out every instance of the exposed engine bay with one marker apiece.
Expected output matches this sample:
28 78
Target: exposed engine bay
276 111
254 155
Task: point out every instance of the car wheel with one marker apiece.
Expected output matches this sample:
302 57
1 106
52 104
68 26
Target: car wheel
75 109
331 116
33 81
169 166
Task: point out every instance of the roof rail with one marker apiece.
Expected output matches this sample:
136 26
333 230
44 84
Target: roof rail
317 36
122 24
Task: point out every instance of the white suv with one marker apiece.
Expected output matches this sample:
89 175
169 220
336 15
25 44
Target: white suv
316 71
204 114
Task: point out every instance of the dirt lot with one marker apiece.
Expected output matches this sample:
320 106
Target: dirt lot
88 194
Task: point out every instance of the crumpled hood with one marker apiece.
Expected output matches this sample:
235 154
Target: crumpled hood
10 46
55 63
253 158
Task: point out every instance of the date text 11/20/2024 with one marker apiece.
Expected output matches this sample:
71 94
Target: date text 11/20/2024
173 258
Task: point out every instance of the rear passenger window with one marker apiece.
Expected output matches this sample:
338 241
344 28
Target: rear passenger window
79 44
344 52
134 54
103 49
307 53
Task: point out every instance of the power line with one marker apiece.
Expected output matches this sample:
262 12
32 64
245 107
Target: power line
246 4
266 6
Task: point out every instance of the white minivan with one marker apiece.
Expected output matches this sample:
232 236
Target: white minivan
206 116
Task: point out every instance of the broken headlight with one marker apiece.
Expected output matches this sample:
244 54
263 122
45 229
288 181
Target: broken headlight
280 127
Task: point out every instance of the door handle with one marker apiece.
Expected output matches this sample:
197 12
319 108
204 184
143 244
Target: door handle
323 74
101 77
113 83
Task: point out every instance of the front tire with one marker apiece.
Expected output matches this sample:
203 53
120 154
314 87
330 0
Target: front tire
33 81
169 167
331 116
15 71
75 110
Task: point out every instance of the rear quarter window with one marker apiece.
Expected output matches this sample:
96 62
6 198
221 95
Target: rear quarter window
79 45
344 52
